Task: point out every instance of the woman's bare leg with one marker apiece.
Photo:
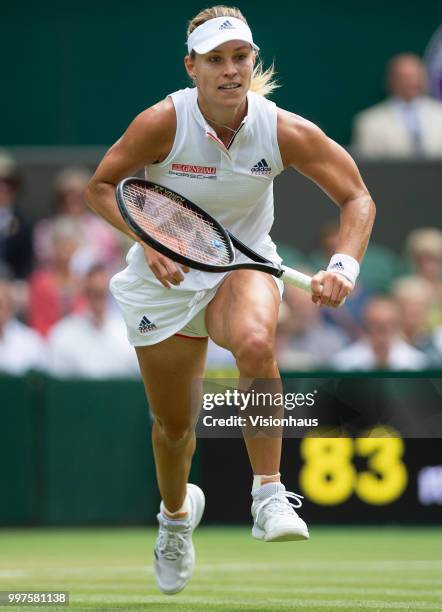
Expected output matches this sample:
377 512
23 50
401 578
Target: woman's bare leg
242 318
169 370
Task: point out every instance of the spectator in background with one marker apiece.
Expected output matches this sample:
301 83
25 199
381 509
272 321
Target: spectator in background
21 348
98 241
304 341
382 347
15 232
408 123
92 344
424 249
54 289
414 297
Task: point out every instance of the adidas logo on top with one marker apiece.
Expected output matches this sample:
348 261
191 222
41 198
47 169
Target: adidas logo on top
261 167
337 266
226 25
146 326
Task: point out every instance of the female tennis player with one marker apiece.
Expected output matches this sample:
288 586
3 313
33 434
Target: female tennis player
220 144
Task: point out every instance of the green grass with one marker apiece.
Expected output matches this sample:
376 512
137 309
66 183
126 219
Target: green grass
340 568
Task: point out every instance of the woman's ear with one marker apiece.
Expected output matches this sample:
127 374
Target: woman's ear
188 64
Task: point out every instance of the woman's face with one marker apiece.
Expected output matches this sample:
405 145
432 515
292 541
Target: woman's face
223 75
71 201
64 248
428 265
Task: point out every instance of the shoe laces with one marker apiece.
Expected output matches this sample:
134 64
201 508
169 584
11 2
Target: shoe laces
172 539
280 503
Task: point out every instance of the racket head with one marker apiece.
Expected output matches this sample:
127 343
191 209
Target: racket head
174 226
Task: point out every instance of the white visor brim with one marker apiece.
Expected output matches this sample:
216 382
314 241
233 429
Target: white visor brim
216 32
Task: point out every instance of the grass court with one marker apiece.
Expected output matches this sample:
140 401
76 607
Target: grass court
340 568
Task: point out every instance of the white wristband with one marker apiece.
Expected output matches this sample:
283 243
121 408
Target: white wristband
345 265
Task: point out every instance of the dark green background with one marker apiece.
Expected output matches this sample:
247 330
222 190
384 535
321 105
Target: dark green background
76 73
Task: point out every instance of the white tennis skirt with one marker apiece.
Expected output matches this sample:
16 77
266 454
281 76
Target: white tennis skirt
153 313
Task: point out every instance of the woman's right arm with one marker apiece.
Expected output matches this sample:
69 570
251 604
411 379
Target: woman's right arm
148 139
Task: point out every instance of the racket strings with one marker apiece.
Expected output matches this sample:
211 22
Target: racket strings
176 226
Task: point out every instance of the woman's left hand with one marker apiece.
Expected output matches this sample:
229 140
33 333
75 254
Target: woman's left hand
330 288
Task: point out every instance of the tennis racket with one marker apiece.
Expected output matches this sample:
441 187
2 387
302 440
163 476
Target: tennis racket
187 234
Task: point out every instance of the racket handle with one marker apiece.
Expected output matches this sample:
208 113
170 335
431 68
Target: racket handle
300 280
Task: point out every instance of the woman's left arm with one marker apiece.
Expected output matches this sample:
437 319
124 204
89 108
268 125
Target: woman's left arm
307 149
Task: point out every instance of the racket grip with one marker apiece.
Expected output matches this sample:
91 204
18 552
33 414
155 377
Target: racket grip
298 279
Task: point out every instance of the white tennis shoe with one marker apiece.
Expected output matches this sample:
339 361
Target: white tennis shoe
174 552
275 519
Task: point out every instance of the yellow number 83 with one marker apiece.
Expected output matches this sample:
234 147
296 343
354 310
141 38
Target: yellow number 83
328 476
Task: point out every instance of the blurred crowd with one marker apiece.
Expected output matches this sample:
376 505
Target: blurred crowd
56 312
408 123
57 315
391 321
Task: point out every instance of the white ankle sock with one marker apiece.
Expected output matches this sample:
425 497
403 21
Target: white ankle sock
178 514
261 479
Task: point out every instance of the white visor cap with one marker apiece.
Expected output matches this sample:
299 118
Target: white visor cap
215 32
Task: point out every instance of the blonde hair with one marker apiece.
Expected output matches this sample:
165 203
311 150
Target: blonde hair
424 240
411 288
72 177
263 81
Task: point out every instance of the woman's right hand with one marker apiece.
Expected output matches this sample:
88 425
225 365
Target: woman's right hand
164 269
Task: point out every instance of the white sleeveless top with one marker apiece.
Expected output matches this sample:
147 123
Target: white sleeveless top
234 185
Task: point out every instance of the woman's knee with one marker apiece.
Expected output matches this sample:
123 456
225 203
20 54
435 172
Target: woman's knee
174 434
255 350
